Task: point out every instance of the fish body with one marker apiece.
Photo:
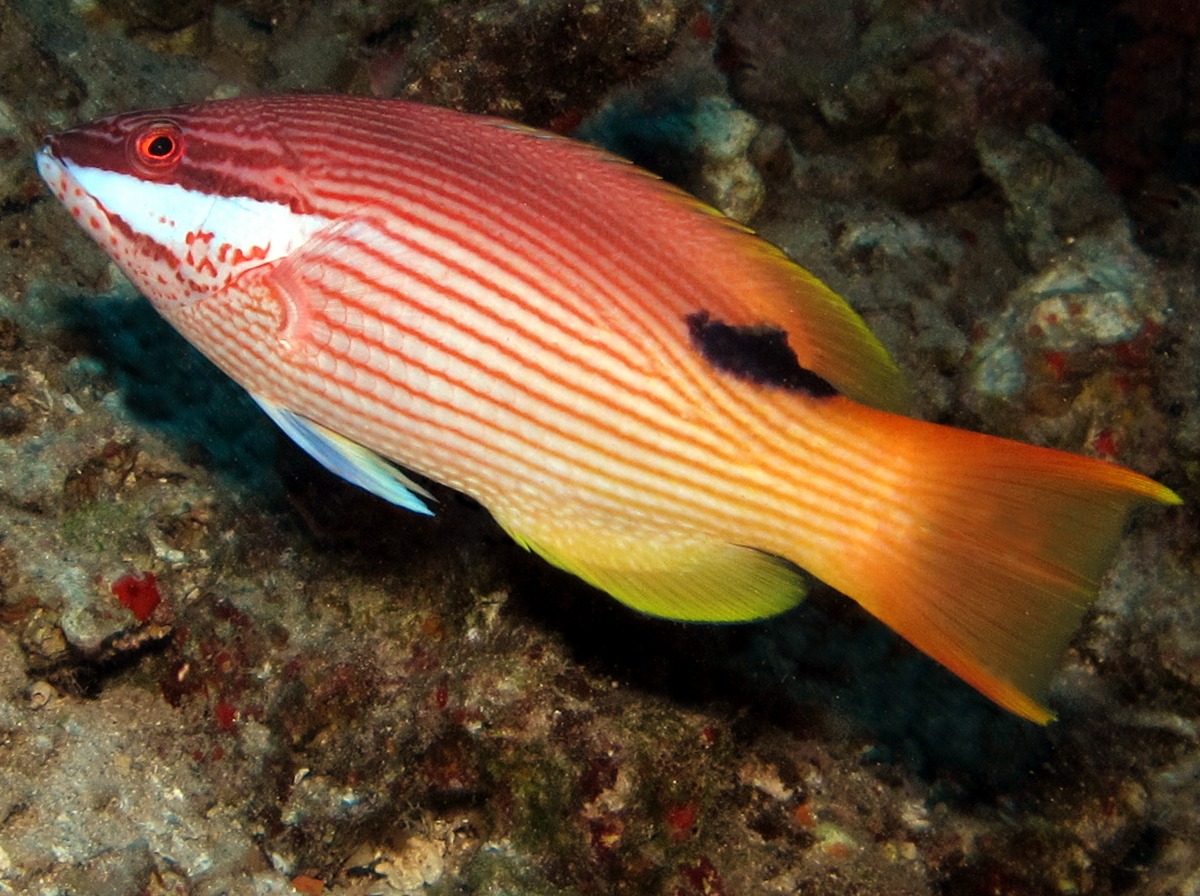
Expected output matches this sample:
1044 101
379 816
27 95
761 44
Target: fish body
638 389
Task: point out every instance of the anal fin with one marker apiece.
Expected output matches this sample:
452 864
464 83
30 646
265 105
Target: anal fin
688 578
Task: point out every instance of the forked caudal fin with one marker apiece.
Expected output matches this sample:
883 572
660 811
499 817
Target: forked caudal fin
991 552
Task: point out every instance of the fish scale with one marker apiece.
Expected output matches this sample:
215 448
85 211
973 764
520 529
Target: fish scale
500 382
638 389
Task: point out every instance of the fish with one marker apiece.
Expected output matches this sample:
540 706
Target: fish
638 389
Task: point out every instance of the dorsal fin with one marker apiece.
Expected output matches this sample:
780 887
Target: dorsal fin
827 335
769 290
746 281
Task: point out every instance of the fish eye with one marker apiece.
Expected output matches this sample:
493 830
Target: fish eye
157 146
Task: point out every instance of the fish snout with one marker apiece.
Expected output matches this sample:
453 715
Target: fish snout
52 169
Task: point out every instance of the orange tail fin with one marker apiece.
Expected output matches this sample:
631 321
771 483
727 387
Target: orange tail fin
985 553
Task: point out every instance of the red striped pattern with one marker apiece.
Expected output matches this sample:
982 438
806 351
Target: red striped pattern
531 353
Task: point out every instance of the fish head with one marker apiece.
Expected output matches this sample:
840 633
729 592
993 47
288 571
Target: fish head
186 201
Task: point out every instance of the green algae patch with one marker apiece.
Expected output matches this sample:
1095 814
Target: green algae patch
540 795
496 870
104 527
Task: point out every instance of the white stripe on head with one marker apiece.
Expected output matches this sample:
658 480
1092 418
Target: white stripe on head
167 213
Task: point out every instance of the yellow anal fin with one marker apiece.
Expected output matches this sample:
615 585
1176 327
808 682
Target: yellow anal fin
687 578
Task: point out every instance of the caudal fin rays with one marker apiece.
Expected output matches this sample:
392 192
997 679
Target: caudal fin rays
1005 554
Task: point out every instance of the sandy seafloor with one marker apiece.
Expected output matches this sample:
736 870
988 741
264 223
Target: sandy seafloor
331 695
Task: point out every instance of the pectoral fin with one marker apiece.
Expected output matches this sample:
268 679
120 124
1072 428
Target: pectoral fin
349 460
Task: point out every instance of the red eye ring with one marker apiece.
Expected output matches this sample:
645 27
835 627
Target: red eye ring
158 146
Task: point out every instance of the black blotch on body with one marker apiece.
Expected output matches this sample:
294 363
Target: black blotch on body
758 353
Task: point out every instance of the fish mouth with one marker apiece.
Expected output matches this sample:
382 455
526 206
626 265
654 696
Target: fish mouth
62 177
53 170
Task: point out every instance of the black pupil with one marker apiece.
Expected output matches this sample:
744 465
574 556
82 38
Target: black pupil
161 146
